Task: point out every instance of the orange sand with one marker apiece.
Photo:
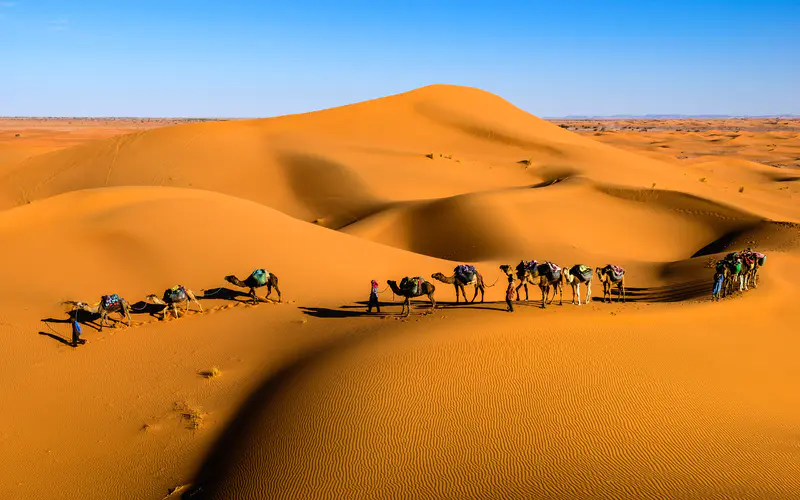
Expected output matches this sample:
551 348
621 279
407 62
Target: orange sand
667 396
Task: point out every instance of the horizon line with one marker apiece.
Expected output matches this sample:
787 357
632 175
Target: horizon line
566 117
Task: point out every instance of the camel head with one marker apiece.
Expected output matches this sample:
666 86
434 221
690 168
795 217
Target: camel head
439 276
230 278
506 268
153 298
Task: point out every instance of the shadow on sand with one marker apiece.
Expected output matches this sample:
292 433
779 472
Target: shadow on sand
223 293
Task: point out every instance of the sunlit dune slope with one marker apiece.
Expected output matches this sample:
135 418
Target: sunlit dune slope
139 240
340 164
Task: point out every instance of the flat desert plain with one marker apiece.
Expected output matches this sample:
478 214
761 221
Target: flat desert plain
668 395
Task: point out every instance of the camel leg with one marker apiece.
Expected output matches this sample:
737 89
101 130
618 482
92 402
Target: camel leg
588 292
174 308
622 289
433 302
253 295
576 291
408 306
275 285
191 296
474 296
102 320
561 294
521 284
545 292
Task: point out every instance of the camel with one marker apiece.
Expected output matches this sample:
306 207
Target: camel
257 279
549 279
108 304
172 297
409 292
734 275
576 275
751 262
456 281
610 277
526 273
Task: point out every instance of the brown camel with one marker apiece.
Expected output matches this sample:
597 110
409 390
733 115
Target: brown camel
526 272
409 289
172 297
612 276
576 275
257 279
108 304
551 277
462 278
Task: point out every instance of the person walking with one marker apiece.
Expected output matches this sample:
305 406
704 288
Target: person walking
511 294
76 331
373 298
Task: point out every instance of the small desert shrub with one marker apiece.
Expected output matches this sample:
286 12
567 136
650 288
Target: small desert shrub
429 155
212 373
741 189
702 179
192 416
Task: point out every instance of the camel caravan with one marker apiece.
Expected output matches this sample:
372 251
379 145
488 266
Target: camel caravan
737 271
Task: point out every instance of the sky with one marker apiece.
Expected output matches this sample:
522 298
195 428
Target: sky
199 58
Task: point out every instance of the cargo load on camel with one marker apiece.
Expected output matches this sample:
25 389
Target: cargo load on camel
260 276
412 285
465 273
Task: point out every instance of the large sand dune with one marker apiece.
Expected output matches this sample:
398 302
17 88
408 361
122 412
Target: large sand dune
668 395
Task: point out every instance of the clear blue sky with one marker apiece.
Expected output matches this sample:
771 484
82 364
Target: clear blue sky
246 59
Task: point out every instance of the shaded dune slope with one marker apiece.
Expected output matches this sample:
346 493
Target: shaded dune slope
582 415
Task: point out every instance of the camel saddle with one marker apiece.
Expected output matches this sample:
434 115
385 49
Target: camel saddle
553 270
584 271
175 294
110 300
465 273
413 285
260 276
761 258
732 257
616 272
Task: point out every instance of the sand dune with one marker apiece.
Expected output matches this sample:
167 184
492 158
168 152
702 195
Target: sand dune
668 395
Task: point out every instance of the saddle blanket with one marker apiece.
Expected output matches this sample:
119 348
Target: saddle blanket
413 285
552 268
175 294
465 273
109 300
260 276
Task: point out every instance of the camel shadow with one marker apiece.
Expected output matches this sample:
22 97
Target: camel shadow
223 293
678 292
342 312
143 307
